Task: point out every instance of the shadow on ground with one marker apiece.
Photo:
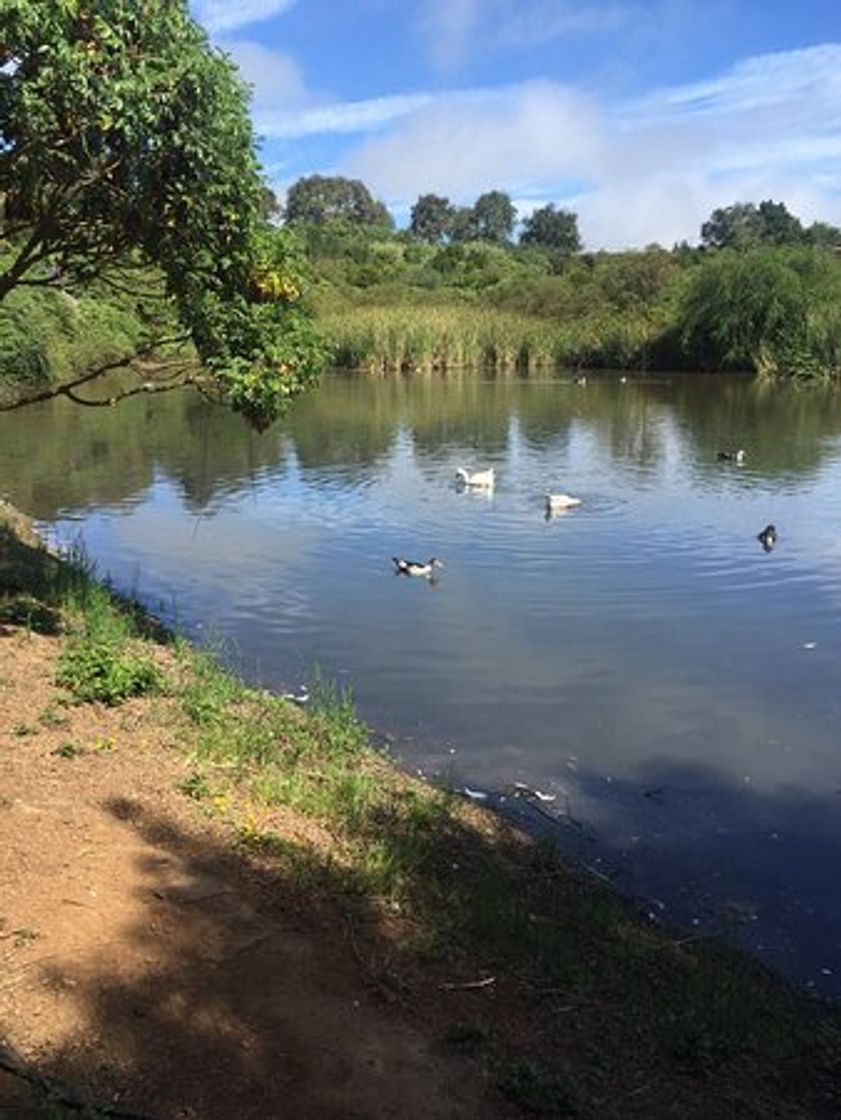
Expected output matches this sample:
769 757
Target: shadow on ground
234 992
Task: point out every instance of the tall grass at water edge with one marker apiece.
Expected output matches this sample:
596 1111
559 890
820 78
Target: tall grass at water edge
426 339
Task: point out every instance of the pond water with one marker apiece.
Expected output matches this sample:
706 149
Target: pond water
641 659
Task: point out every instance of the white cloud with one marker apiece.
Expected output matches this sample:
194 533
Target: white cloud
227 15
275 78
460 143
284 108
456 30
450 27
528 25
647 170
807 80
350 116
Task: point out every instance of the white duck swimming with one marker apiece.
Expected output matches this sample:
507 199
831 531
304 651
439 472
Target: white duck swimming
416 567
557 502
482 479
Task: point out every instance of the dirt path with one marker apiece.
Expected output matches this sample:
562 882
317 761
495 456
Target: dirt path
146 961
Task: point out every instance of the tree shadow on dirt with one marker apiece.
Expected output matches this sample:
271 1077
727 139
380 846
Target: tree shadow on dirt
269 982
239 990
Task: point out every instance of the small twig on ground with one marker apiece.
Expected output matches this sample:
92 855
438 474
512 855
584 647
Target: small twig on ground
468 985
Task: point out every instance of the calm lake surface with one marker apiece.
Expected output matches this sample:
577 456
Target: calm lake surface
676 688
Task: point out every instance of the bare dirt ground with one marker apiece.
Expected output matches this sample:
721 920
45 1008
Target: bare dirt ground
148 964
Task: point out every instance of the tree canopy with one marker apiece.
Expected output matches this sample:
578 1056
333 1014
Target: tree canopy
549 228
431 218
125 140
325 198
494 214
745 225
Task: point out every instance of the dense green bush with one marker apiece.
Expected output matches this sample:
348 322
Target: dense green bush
48 335
772 311
387 302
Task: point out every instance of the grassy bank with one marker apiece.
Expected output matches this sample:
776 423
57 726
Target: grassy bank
772 311
387 304
576 1005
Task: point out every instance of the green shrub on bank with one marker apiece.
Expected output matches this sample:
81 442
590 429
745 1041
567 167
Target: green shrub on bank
103 659
50 336
106 671
774 311
388 304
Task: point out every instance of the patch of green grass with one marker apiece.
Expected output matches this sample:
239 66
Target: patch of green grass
210 692
301 864
99 670
21 730
332 705
196 787
68 750
24 937
720 1017
52 716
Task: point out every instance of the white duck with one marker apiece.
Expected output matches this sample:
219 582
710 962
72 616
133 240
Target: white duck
481 479
555 503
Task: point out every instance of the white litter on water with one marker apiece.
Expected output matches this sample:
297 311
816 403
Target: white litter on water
475 794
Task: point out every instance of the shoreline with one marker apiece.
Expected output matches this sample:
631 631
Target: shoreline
514 979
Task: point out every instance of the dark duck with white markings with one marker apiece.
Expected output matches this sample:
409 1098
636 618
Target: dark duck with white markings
415 567
768 537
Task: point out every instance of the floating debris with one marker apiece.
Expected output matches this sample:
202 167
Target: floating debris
474 794
520 789
302 697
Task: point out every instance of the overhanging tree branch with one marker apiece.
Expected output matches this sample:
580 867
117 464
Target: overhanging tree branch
148 387
68 387
132 138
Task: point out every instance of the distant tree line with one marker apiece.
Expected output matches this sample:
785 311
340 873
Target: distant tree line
434 219
317 199
747 226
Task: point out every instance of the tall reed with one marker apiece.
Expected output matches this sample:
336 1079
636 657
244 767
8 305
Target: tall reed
386 339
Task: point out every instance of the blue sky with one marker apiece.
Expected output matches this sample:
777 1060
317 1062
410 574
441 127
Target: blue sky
641 115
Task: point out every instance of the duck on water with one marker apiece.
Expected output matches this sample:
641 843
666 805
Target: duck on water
556 503
482 479
416 567
767 537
